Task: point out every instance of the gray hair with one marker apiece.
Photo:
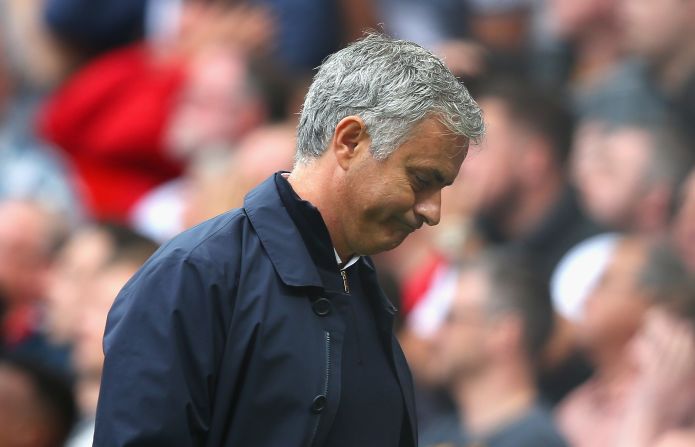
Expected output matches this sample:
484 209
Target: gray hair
392 85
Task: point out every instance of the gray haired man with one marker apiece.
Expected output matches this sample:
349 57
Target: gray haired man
266 326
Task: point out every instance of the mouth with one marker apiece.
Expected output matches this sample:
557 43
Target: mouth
409 227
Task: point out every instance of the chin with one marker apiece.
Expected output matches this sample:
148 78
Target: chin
394 241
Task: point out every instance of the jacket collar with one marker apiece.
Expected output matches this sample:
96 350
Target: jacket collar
279 236
286 249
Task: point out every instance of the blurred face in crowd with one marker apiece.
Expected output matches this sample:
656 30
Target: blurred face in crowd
70 279
383 201
684 223
459 347
654 29
491 172
614 309
88 355
473 336
611 174
24 249
216 107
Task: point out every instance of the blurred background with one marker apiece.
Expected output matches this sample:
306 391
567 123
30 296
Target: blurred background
554 304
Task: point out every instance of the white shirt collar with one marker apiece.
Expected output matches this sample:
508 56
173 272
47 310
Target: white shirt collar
340 261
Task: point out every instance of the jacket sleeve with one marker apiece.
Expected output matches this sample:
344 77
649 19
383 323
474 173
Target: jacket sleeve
164 340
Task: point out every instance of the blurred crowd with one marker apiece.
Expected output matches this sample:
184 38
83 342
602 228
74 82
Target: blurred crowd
554 305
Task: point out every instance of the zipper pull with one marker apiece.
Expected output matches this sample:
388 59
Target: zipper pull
345 281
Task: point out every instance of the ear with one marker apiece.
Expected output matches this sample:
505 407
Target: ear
350 141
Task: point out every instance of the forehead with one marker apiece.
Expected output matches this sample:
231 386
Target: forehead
431 145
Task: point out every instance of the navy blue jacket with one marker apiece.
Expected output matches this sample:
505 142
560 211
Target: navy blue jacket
223 339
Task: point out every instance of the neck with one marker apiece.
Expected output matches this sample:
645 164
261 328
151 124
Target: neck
315 187
492 398
532 206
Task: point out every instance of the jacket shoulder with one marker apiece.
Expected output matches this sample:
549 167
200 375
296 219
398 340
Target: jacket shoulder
213 240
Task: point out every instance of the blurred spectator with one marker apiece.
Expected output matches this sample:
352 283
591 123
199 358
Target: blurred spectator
109 118
612 314
517 177
29 169
28 234
131 116
70 276
215 181
524 200
684 223
487 351
637 276
629 175
603 82
661 408
218 104
129 252
36 407
662 34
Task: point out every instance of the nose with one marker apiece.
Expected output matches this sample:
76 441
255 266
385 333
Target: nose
428 207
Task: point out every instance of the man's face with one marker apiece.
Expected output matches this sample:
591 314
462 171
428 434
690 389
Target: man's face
490 171
614 309
70 279
613 185
654 28
459 347
383 201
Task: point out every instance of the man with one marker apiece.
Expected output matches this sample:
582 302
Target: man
612 315
128 251
633 180
668 50
524 201
487 352
266 326
518 179
28 233
661 404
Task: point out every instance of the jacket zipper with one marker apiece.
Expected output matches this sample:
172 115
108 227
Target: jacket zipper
327 373
346 286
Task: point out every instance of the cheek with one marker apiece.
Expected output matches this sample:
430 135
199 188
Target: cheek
380 201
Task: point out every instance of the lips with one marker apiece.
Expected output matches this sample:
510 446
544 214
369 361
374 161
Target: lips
409 227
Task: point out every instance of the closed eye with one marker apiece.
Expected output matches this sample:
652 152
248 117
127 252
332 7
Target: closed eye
421 182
